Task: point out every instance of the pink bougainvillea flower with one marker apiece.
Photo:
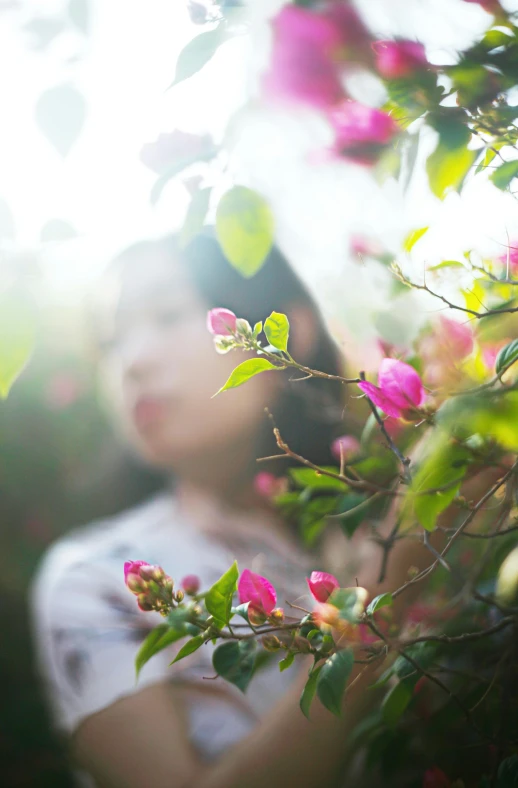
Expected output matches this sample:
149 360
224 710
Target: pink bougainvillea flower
345 446
221 322
399 59
258 591
513 259
435 778
177 147
455 337
322 585
400 388
268 486
190 584
360 131
491 6
133 568
302 68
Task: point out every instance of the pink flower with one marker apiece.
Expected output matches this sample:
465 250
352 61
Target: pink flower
400 388
133 568
455 337
268 486
399 59
491 6
513 258
177 147
258 591
360 131
362 246
191 584
435 778
301 65
322 585
490 352
221 322
393 426
346 446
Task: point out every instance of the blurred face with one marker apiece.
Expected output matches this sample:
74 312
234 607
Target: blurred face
160 371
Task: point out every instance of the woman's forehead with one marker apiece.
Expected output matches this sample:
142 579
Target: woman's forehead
150 276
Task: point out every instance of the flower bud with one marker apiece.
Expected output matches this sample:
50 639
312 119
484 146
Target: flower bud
243 328
277 615
224 344
152 572
322 585
179 595
221 322
144 603
135 583
271 643
255 616
191 584
301 644
133 568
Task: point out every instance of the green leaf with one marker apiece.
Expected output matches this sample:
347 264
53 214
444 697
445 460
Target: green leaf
489 155
504 174
395 703
241 610
451 161
413 237
349 602
446 264
195 217
234 661
308 693
507 356
493 417
307 477
245 371
378 602
287 661
197 52
218 599
60 115
190 647
257 329
447 169
17 337
245 229
508 772
441 472
354 507
332 680
277 329
158 639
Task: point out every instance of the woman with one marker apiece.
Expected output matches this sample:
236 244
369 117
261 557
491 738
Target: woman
175 728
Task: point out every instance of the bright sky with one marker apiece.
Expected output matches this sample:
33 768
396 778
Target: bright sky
124 67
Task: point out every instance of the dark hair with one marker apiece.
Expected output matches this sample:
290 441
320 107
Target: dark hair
308 412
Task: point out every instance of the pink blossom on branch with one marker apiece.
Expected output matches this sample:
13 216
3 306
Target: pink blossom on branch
221 322
361 132
400 388
258 591
190 584
399 59
268 486
322 585
345 446
302 68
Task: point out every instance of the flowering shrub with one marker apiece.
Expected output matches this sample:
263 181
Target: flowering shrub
438 449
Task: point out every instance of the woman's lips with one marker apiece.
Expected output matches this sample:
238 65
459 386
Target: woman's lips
149 411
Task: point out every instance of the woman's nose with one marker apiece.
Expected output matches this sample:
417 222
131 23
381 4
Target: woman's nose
140 354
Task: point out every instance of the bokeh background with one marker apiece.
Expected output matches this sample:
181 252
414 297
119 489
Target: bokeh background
83 86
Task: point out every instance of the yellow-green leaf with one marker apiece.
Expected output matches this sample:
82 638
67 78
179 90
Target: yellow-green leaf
245 371
17 338
413 237
448 167
277 329
245 229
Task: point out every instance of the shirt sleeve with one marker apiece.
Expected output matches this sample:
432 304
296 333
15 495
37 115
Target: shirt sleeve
88 630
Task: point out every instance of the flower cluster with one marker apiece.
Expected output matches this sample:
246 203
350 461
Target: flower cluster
152 587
